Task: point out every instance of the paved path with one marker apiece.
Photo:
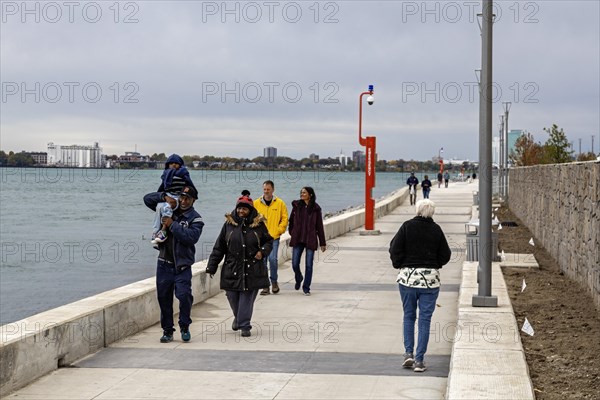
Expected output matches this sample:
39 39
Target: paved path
343 342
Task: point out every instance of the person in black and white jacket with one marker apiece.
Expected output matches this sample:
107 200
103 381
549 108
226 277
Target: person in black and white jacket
419 250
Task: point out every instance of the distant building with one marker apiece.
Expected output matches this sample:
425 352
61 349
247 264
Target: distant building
513 135
342 159
39 158
270 152
495 151
75 155
358 158
133 156
456 161
314 157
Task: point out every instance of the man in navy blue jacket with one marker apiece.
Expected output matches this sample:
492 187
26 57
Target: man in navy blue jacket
175 259
412 183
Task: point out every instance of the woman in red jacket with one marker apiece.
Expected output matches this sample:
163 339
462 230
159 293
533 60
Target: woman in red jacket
306 230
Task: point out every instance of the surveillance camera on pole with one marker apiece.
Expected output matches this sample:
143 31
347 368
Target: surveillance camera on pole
370 154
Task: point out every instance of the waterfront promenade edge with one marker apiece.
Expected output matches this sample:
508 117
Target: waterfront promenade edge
345 341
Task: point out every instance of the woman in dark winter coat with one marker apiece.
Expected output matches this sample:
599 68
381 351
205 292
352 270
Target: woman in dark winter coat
419 250
306 231
244 241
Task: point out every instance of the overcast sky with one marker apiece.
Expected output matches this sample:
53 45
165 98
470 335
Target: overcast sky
228 79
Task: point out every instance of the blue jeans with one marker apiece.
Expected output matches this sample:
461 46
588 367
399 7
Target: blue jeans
425 299
308 262
426 193
273 260
168 281
162 210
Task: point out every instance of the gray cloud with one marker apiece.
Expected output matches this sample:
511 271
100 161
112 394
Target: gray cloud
182 80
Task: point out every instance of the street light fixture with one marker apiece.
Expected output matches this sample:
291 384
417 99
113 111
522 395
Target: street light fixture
369 143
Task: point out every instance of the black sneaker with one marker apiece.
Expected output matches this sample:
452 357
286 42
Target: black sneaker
420 366
186 336
246 332
166 337
297 285
409 360
234 325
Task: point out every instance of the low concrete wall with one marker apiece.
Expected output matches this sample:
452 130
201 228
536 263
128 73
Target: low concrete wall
35 346
560 204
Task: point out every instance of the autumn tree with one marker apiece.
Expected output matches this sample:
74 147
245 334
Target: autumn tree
556 148
526 151
589 156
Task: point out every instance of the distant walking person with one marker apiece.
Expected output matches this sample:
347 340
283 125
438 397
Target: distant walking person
244 241
412 183
426 185
307 233
440 177
275 211
175 258
446 178
419 250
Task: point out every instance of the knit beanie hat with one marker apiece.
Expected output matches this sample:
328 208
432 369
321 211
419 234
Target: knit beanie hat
244 201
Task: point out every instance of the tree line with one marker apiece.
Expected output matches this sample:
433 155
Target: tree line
556 150
13 159
24 159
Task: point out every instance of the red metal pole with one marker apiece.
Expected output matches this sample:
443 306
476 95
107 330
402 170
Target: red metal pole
369 143
370 184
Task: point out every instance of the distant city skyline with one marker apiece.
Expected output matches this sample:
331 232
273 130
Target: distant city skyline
55 157
357 156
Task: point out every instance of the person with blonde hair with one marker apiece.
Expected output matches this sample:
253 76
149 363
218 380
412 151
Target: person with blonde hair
419 250
275 211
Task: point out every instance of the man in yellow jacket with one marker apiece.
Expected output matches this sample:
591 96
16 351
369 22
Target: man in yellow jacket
275 211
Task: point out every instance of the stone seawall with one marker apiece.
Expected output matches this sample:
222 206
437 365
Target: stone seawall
560 204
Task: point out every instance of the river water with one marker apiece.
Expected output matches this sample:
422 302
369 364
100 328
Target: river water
66 234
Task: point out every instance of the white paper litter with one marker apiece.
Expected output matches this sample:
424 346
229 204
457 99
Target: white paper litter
527 328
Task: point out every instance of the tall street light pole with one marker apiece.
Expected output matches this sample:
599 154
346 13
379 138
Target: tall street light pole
484 297
506 105
500 181
369 143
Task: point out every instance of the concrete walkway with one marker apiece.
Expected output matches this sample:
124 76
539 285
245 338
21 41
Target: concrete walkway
343 342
